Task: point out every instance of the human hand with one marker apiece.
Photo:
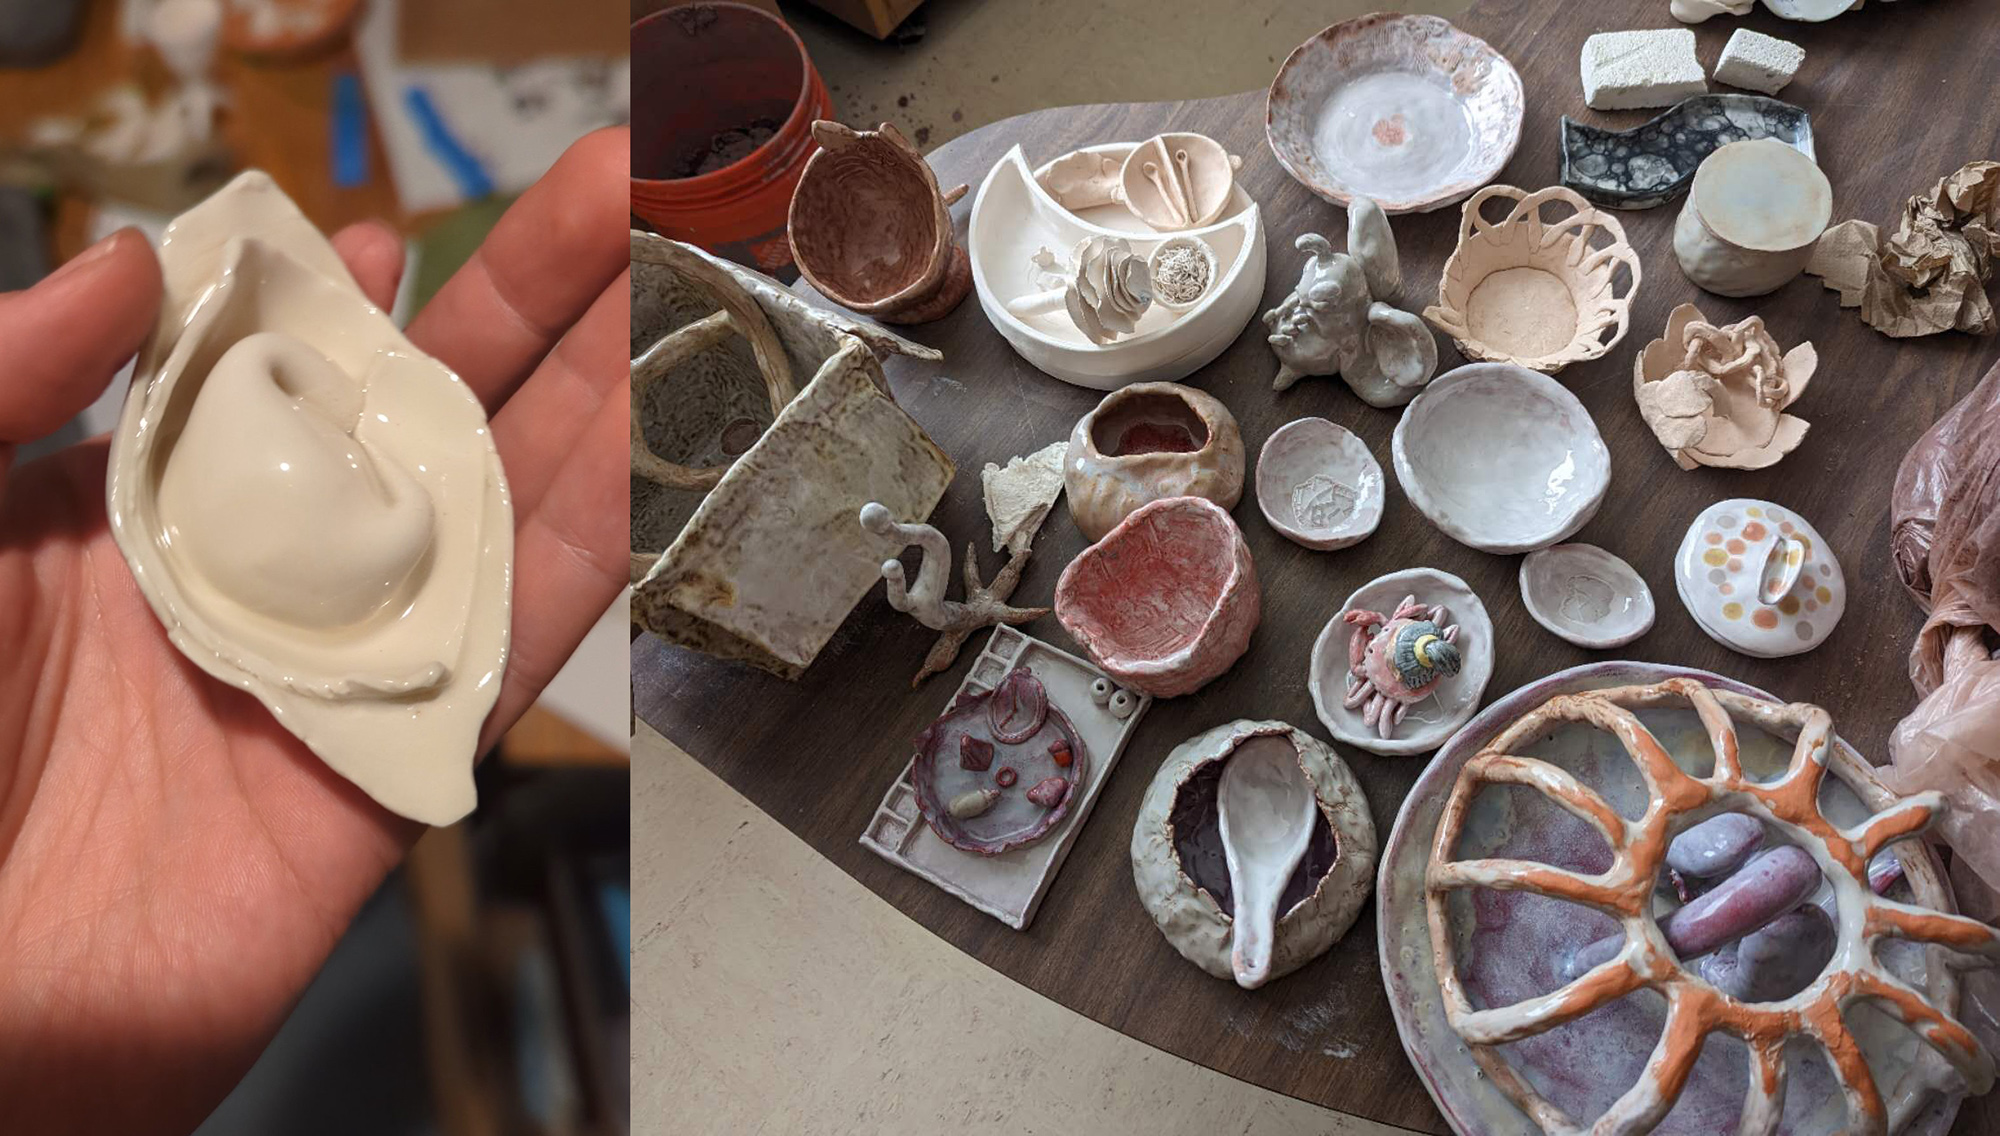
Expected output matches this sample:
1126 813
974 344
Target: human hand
174 865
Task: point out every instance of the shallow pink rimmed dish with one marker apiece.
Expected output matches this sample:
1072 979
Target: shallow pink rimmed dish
1167 600
1406 110
1508 941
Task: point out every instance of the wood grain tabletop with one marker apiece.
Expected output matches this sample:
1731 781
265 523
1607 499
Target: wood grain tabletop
1899 97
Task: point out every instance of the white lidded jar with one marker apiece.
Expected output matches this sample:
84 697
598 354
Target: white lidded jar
1752 218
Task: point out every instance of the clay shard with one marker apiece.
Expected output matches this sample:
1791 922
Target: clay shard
1019 496
871 230
1536 294
974 754
313 507
1334 320
1049 791
1716 396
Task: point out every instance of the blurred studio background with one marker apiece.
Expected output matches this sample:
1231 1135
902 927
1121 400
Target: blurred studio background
485 990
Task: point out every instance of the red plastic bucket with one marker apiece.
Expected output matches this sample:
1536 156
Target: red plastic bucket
723 101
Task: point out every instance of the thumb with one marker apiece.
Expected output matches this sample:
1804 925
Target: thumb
63 339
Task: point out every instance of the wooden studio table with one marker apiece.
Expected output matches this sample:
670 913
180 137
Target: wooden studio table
1899 97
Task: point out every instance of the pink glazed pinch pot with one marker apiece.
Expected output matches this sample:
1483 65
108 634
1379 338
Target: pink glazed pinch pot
1167 600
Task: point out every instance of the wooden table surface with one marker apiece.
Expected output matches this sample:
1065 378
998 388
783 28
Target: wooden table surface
1898 95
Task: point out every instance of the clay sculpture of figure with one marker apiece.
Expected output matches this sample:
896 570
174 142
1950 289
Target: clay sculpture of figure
1335 320
1397 660
1716 396
1644 956
925 599
313 507
872 231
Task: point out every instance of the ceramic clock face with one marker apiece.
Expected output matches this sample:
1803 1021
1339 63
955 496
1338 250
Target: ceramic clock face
1759 579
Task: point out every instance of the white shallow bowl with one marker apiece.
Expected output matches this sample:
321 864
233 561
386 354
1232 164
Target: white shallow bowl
1406 110
1430 722
1013 215
1501 458
1586 595
1318 485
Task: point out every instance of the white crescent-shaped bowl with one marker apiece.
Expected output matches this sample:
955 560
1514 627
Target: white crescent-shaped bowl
1012 216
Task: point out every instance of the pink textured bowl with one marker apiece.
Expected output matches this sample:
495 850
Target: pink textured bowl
1167 600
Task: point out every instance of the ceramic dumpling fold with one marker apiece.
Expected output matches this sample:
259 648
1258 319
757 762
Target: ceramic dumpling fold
313 507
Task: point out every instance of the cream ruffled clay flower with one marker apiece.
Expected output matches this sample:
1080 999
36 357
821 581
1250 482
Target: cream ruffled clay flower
1716 396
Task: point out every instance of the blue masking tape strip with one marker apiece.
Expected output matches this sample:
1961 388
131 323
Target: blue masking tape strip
350 132
473 180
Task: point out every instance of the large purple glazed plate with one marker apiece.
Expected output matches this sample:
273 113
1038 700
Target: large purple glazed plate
1509 943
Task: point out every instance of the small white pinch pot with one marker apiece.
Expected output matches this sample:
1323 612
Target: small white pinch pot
1586 595
1431 722
1318 485
1503 459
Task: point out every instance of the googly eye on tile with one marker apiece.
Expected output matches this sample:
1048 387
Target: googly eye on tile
1100 690
1122 704
1759 579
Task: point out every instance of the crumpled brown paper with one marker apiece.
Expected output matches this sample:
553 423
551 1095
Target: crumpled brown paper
1930 274
1945 540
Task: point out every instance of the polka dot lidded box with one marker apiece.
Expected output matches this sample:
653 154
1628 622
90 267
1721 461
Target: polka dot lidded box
1758 578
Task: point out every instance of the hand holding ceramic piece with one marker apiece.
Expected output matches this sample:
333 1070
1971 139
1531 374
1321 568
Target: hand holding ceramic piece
1716 396
1318 485
1403 662
1501 458
1185 868
1333 321
1167 600
1149 441
870 229
1586 595
1759 579
1535 294
1407 110
313 507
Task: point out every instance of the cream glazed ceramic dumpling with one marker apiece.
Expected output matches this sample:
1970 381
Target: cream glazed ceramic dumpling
313 507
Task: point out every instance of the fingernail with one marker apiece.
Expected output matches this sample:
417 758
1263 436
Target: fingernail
89 256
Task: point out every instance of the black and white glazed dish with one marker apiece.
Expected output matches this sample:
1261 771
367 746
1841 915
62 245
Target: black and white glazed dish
1653 163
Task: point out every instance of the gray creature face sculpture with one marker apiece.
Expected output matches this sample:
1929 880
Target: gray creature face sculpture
1334 322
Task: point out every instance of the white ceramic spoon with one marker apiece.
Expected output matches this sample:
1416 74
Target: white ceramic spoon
1266 811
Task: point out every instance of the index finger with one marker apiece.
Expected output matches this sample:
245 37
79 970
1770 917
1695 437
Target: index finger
552 254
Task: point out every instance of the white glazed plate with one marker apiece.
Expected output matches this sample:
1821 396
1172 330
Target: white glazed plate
1586 595
1450 706
1501 458
1318 485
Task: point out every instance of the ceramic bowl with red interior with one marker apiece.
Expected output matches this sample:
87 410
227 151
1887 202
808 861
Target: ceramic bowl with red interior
1167 600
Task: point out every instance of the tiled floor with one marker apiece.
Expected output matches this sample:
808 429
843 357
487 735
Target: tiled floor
774 994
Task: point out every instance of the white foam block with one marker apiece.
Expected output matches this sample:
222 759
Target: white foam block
1757 62
1654 68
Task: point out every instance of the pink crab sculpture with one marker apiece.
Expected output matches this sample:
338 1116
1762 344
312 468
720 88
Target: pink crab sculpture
1396 660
